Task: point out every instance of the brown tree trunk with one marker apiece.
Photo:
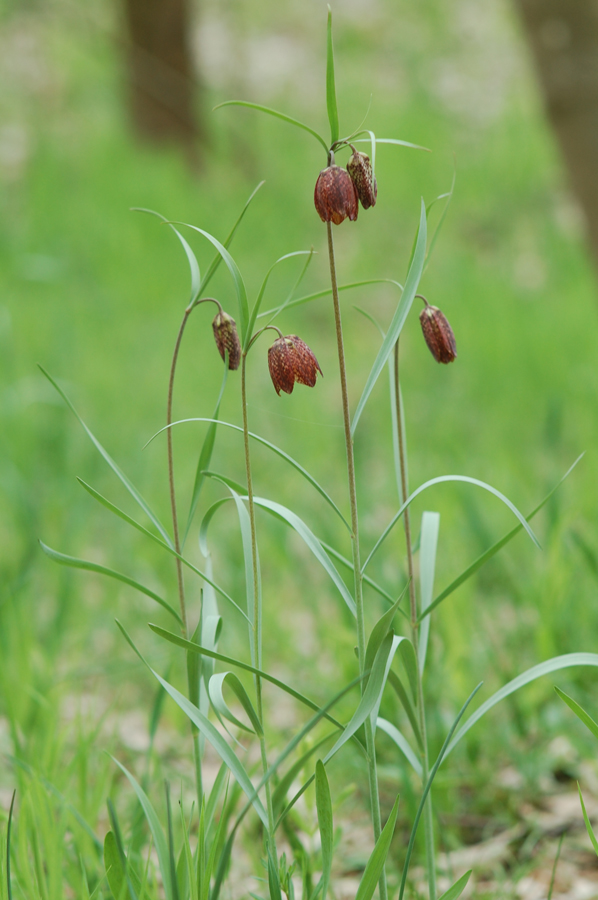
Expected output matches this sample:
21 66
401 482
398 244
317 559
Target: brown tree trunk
564 38
161 78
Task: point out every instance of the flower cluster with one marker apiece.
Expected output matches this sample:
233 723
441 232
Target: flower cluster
339 191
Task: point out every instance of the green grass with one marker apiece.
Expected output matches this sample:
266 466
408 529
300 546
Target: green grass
95 294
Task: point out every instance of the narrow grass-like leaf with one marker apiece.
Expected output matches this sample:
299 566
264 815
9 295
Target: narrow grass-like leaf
174 882
205 456
369 581
260 296
155 828
396 141
192 259
256 437
324 293
411 284
330 85
554 867
207 729
311 541
457 888
291 293
212 268
115 872
407 654
581 714
253 583
278 115
448 197
488 554
8 837
229 661
377 860
186 849
443 752
235 275
120 475
284 785
566 661
427 568
369 697
75 563
586 819
215 688
441 480
126 887
122 515
273 875
325 824
407 704
379 632
402 743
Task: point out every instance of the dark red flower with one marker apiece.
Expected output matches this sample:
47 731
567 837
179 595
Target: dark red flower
438 334
290 360
335 196
359 168
225 334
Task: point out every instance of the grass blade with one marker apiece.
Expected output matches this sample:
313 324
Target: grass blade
441 480
448 197
215 687
260 296
325 824
488 554
192 259
581 714
398 320
545 668
427 566
120 475
586 819
402 743
324 293
64 560
8 836
375 863
457 888
330 85
396 141
369 581
278 115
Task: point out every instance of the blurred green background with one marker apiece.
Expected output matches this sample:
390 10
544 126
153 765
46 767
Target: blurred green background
95 294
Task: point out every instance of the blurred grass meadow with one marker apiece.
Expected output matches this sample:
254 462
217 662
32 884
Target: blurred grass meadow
95 293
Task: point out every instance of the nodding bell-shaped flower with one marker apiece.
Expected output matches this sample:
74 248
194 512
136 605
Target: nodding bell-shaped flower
290 360
226 337
335 196
359 168
438 334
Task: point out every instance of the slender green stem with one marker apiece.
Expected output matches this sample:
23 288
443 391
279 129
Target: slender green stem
357 575
428 815
257 608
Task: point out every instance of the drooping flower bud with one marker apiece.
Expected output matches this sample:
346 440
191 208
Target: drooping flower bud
359 168
290 360
438 334
225 334
335 196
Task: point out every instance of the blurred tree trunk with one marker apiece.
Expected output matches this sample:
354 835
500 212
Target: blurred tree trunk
160 68
564 38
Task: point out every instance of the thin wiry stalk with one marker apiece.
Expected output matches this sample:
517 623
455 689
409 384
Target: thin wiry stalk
257 608
357 575
428 816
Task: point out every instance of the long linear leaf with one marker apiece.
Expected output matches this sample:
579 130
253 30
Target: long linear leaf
278 115
235 275
330 86
311 542
72 561
324 293
402 743
491 551
375 864
122 515
230 661
369 581
191 258
457 888
256 437
443 752
579 711
396 141
545 668
284 785
407 704
441 480
325 824
209 731
155 828
448 197
427 567
588 824
296 284
411 284
260 296
117 471
215 687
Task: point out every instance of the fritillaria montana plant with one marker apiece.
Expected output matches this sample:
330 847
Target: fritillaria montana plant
198 868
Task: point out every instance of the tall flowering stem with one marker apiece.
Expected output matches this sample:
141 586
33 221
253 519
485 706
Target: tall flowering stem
357 575
428 815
